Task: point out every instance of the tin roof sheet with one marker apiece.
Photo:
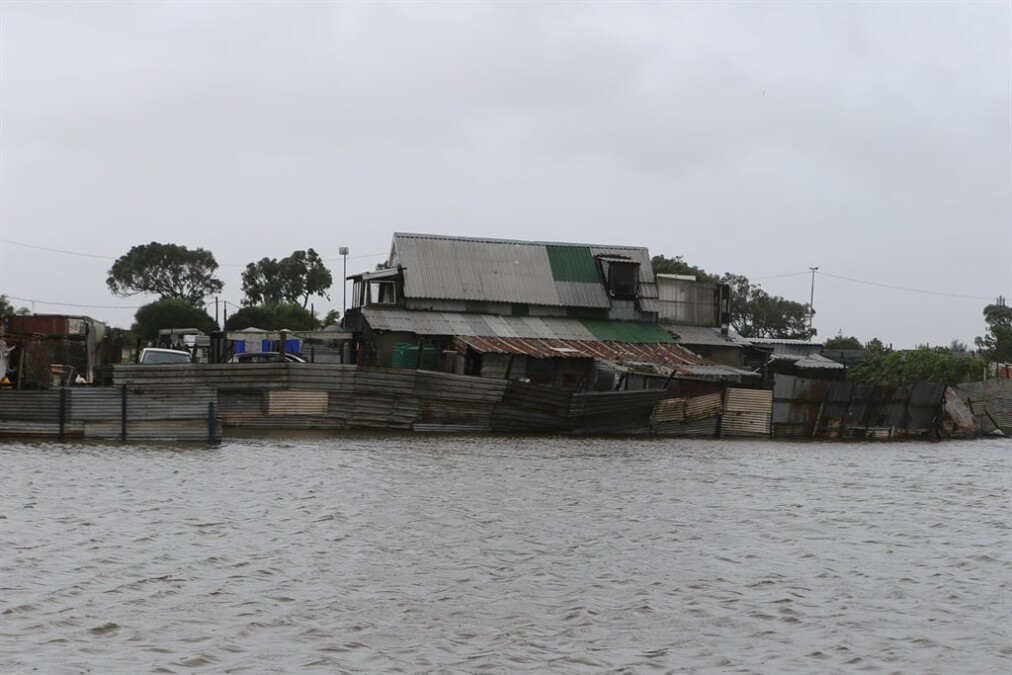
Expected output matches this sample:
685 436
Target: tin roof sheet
780 341
627 331
812 361
499 270
700 335
573 263
579 294
618 352
451 323
716 370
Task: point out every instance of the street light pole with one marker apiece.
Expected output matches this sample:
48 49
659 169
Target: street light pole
811 300
343 252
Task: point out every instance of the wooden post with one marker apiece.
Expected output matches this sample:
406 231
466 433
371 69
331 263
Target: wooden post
123 414
211 424
667 382
846 412
818 416
21 364
63 411
720 416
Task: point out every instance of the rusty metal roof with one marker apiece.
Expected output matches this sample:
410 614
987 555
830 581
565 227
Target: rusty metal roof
619 352
660 358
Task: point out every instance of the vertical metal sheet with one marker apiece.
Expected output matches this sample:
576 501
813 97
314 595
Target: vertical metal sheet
747 412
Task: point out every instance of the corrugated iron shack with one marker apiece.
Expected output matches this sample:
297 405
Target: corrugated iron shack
798 358
49 350
578 316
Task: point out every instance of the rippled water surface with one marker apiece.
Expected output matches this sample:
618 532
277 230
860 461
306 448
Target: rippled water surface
476 554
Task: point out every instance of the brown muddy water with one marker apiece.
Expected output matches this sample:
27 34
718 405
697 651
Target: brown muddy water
393 553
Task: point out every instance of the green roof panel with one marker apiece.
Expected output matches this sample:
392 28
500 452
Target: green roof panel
573 263
627 331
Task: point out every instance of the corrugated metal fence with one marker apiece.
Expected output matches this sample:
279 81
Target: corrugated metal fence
195 402
835 409
122 412
990 402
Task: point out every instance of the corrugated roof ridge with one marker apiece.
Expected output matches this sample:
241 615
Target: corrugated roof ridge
520 242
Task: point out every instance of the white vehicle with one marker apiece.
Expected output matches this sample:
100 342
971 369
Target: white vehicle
152 355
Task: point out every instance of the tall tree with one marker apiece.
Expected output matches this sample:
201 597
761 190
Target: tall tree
167 270
294 279
756 313
996 344
840 341
170 313
875 345
663 265
272 316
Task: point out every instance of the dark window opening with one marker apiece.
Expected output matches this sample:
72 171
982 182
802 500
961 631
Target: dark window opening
622 279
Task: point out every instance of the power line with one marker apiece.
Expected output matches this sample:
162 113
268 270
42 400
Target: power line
71 304
904 288
56 250
107 257
783 276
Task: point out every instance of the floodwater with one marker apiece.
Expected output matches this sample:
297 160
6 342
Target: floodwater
396 553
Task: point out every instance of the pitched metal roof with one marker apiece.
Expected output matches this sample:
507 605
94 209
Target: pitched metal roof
501 270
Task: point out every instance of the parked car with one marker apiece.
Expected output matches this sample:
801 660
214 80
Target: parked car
152 355
266 357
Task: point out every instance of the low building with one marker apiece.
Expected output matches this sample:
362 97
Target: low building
800 358
48 350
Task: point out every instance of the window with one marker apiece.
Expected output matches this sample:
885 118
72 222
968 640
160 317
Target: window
382 293
621 276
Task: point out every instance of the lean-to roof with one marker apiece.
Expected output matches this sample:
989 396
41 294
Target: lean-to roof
529 327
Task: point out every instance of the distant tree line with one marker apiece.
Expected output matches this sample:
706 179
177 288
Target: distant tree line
755 313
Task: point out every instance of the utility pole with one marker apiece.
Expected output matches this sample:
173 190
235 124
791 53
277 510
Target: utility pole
343 252
811 301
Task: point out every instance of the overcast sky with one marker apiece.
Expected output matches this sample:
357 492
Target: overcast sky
869 139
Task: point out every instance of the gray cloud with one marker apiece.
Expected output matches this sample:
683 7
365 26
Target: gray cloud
760 138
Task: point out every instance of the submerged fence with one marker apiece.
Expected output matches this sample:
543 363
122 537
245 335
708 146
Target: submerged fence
110 413
199 402
990 402
833 409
